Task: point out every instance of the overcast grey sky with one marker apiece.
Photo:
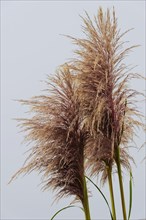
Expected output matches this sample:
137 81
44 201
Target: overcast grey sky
31 48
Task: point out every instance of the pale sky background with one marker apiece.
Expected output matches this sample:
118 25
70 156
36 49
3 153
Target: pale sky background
32 47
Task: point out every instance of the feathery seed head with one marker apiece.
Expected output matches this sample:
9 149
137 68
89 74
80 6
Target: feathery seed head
107 106
58 142
88 112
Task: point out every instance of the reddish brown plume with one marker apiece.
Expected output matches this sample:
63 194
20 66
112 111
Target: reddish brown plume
89 111
58 142
107 103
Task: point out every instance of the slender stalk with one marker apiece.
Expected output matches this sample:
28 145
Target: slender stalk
86 202
109 171
121 183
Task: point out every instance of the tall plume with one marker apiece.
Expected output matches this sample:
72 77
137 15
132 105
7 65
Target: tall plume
54 131
107 103
88 117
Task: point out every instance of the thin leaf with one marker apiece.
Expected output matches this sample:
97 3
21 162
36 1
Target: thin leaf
130 195
66 207
102 196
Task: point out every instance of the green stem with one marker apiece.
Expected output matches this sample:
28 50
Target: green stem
86 202
121 183
109 171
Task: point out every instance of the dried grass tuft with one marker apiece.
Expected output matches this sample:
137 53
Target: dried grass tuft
57 141
107 102
88 112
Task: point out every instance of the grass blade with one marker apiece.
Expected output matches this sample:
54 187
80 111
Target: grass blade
130 195
66 207
102 196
